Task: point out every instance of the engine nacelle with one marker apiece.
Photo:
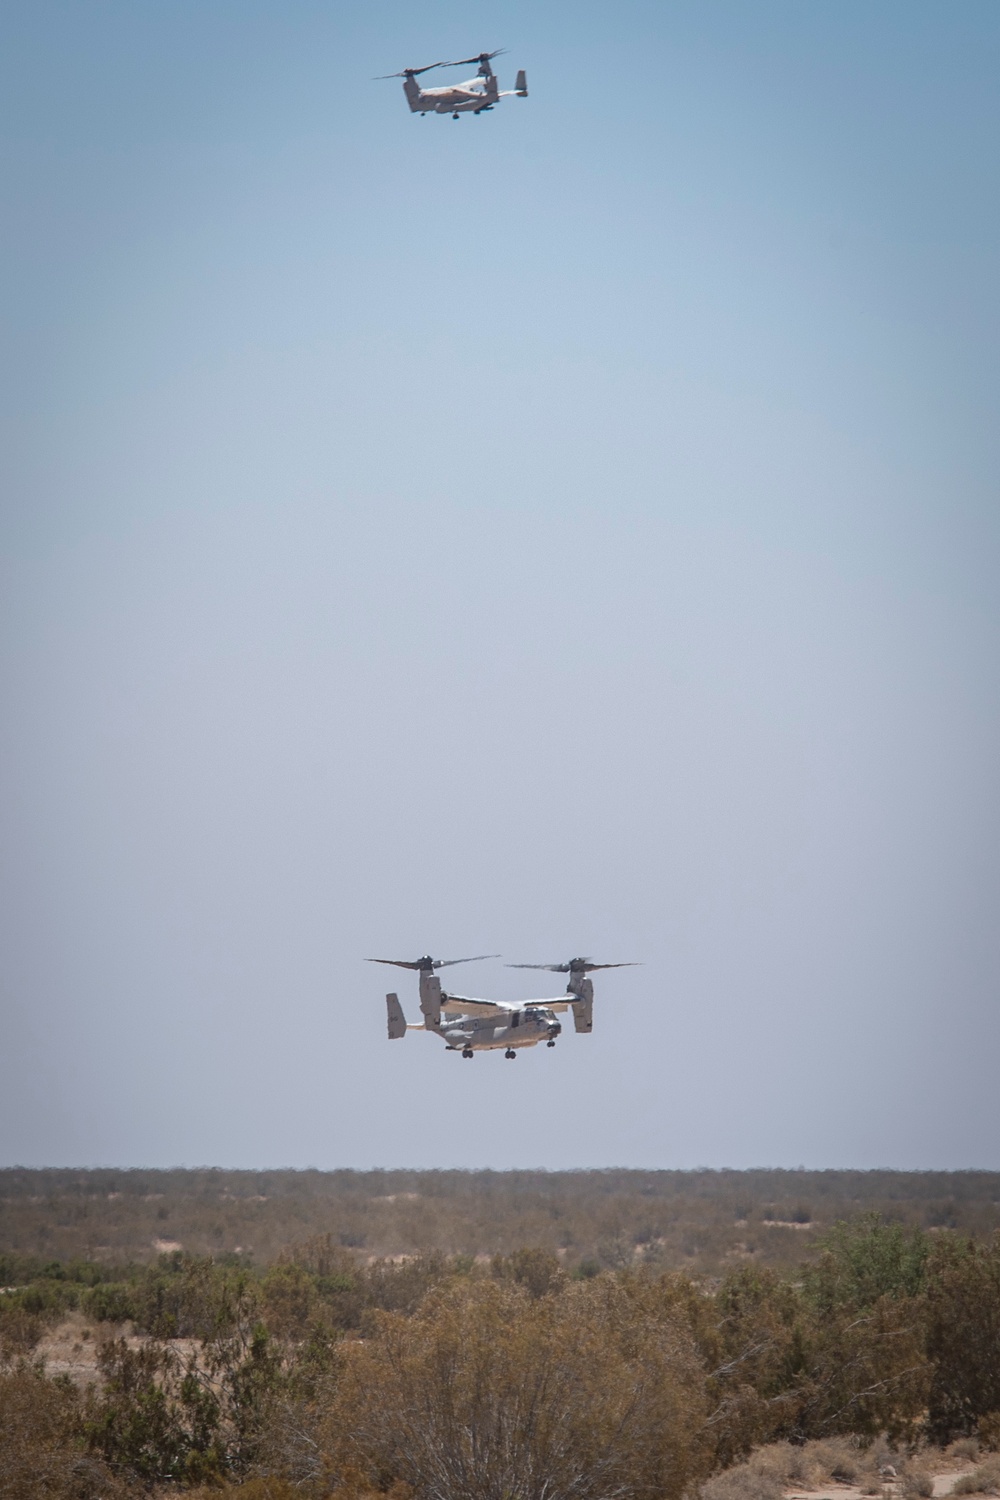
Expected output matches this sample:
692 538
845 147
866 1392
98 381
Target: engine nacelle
582 990
430 1000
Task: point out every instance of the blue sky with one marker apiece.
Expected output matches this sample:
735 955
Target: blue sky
569 530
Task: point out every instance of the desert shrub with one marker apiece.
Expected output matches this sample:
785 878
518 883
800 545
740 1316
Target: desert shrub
988 1431
19 1330
838 1459
963 1334
21 1270
161 1418
487 1391
110 1302
538 1271
865 1259
267 1487
750 1336
338 1278
784 1463
148 1419
742 1483
769 1471
780 1368
777 1368
918 1482
347 1290
984 1481
41 1449
402 1286
321 1255
289 1300
692 1216
586 1268
48 1300
190 1297
867 1373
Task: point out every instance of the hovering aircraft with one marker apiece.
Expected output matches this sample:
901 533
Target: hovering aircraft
469 1026
478 94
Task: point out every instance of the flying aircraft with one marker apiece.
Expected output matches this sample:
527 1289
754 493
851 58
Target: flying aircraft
470 1026
478 94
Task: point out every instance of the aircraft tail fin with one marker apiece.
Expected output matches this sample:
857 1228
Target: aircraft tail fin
411 89
521 84
397 1021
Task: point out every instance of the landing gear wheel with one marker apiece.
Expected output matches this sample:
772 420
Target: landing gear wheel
467 1052
550 1044
454 117
510 1053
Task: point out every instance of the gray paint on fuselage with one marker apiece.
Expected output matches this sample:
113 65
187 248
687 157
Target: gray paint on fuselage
513 1029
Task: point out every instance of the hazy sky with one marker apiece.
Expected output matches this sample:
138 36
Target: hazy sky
573 529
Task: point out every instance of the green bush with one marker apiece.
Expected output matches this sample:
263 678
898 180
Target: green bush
963 1335
865 1259
111 1302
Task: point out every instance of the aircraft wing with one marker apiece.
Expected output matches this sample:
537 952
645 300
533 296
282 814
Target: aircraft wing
563 1003
461 1006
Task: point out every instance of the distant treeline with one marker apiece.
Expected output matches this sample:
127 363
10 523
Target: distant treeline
703 1221
447 1378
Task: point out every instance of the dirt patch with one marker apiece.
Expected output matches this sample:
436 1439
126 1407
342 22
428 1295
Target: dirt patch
71 1349
944 1476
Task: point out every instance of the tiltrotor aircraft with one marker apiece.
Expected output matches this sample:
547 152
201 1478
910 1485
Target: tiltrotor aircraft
478 94
469 1026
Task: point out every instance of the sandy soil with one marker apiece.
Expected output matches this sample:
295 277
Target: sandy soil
71 1348
945 1475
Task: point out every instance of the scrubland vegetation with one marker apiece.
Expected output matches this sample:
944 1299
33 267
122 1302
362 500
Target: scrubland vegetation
704 1221
520 1375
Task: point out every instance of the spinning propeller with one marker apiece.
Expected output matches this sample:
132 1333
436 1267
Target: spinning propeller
407 73
574 966
484 57
483 60
427 964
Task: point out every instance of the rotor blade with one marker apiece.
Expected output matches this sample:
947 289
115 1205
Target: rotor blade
583 966
407 73
397 963
482 57
446 963
552 968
